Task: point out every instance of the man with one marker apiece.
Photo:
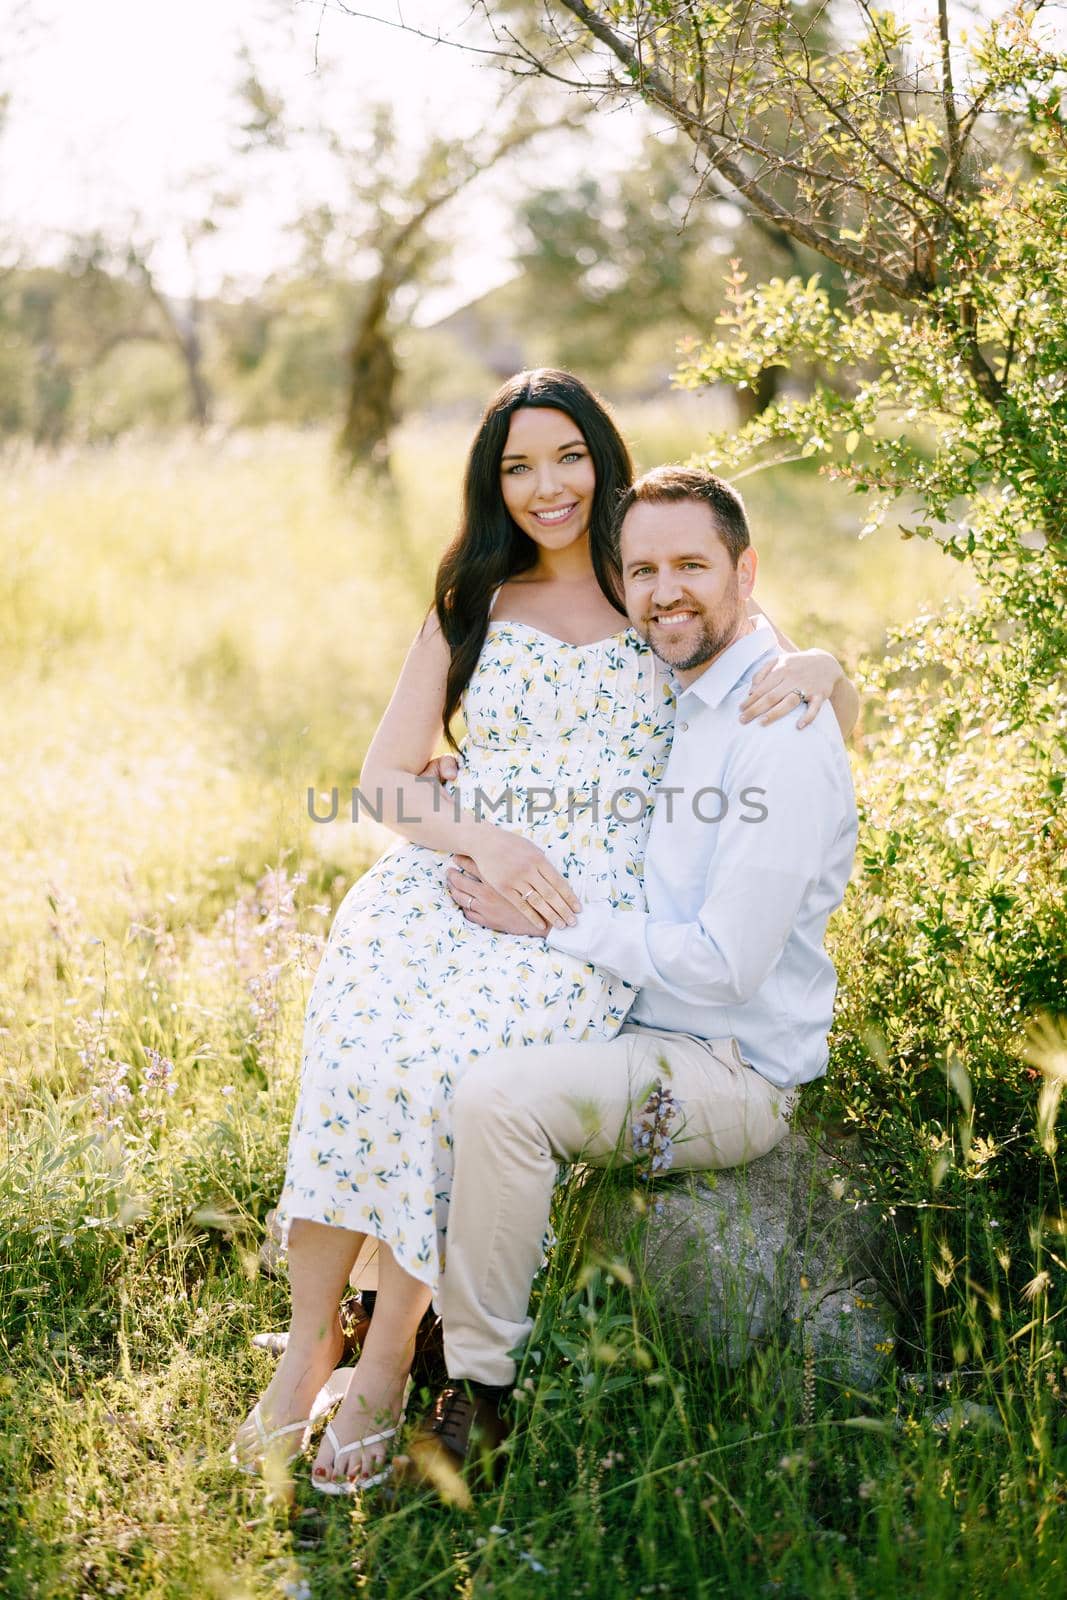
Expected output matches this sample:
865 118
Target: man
749 851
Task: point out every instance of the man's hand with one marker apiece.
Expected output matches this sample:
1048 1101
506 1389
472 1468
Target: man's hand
486 908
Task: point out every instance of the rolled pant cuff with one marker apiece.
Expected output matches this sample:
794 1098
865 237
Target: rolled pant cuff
497 1369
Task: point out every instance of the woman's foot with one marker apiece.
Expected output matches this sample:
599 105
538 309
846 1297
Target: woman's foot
302 1371
373 1404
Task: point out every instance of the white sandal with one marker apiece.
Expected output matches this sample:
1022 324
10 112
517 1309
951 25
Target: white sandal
250 1461
354 1485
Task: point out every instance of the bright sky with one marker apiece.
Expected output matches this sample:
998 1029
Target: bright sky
125 108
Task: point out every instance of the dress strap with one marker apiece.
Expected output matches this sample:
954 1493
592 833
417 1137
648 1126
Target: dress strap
493 598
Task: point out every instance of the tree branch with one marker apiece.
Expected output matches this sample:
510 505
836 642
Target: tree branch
902 120
126 336
948 100
513 140
877 155
420 33
652 81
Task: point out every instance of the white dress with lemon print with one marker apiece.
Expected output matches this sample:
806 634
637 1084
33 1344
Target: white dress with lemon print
408 991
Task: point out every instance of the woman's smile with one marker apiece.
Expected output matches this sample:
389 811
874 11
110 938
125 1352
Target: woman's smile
557 514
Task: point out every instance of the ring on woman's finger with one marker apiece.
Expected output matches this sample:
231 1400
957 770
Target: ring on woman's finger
470 902
528 893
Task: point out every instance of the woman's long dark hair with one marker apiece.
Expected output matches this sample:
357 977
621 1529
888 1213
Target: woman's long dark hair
489 547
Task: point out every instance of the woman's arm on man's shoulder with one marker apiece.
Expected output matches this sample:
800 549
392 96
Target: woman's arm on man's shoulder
816 673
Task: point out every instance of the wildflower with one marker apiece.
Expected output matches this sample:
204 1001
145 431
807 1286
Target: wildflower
157 1083
109 1095
262 928
653 1147
158 1072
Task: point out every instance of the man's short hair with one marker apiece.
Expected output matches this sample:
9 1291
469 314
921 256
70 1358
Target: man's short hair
670 484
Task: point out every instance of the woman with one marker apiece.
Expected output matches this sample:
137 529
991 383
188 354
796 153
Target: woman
561 698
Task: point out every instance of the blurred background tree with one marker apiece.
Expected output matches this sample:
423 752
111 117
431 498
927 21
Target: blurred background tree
406 256
609 270
617 268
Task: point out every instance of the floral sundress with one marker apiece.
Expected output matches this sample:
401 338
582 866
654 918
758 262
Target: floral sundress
407 991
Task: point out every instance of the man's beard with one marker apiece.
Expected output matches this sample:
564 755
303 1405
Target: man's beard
714 637
717 630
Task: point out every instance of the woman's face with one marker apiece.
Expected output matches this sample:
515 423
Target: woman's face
547 476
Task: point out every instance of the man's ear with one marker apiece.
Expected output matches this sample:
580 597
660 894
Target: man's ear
747 562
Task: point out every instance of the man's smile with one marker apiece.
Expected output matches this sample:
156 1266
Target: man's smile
673 619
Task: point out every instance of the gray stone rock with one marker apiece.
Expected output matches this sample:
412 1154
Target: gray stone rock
964 1414
772 1253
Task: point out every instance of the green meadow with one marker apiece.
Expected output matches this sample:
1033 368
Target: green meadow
194 633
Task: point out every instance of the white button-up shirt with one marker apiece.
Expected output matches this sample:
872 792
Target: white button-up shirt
750 848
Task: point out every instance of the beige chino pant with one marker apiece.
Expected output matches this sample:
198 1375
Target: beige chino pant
516 1114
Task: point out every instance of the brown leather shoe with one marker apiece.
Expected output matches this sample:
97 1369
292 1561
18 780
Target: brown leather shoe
458 1438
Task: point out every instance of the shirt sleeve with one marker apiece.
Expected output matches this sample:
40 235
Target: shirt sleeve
759 874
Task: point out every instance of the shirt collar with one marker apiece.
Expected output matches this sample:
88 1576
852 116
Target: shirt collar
727 670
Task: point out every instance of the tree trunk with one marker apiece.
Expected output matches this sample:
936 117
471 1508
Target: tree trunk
190 345
373 372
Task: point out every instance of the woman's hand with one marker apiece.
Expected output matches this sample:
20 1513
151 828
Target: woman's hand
442 769
523 876
786 683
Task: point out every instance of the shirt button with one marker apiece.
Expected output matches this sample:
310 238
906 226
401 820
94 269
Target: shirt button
684 727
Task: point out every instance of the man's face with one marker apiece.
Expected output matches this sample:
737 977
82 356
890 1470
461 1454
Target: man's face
682 591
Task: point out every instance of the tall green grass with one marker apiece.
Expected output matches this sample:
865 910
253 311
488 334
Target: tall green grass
193 635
